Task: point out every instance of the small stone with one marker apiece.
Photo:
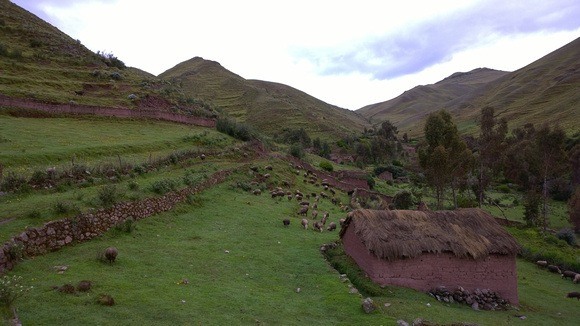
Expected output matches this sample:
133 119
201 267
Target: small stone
475 306
428 305
298 290
387 305
353 290
227 251
401 322
368 305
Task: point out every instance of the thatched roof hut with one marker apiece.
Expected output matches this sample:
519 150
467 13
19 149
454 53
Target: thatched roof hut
426 249
406 234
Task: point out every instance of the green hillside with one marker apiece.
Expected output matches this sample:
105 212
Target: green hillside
268 106
543 91
38 61
409 110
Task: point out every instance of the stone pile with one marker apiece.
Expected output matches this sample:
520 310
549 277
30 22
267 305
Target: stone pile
483 299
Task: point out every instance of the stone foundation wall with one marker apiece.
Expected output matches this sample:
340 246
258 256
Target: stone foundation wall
60 108
57 234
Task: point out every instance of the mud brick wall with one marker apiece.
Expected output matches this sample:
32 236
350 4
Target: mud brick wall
428 271
60 108
57 234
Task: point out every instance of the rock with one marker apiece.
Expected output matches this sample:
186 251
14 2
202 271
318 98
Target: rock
401 322
418 322
298 290
353 290
368 305
84 286
475 306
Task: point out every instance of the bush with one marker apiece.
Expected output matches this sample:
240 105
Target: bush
164 186
370 182
567 235
64 207
133 185
296 150
115 76
191 179
327 166
466 202
126 226
11 288
34 214
13 183
403 200
108 195
237 130
503 189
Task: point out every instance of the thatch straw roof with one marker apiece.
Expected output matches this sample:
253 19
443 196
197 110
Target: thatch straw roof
405 234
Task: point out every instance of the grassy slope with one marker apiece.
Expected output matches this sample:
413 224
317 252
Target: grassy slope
409 110
543 91
265 105
30 143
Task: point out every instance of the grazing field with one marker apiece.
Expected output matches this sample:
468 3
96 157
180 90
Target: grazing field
221 257
228 259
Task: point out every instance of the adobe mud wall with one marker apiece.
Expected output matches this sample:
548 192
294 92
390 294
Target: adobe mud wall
60 108
428 271
57 234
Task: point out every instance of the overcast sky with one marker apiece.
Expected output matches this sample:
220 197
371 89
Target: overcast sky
346 53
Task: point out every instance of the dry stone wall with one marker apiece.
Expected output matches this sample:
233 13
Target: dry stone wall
57 234
70 108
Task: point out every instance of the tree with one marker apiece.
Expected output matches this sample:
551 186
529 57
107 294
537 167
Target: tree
552 158
574 209
491 146
535 158
443 156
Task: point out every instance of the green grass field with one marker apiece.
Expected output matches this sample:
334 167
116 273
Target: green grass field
241 265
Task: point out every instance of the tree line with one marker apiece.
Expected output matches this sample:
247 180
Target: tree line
542 162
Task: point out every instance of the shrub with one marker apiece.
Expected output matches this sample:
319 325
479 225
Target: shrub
133 185
13 183
466 201
370 182
296 150
64 207
503 189
327 166
115 76
108 195
191 179
126 226
15 251
34 214
567 235
164 186
403 200
237 130
11 288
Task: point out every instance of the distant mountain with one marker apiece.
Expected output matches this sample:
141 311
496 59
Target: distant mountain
409 110
543 91
268 106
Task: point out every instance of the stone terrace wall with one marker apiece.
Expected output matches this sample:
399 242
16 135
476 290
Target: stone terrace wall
57 234
60 108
